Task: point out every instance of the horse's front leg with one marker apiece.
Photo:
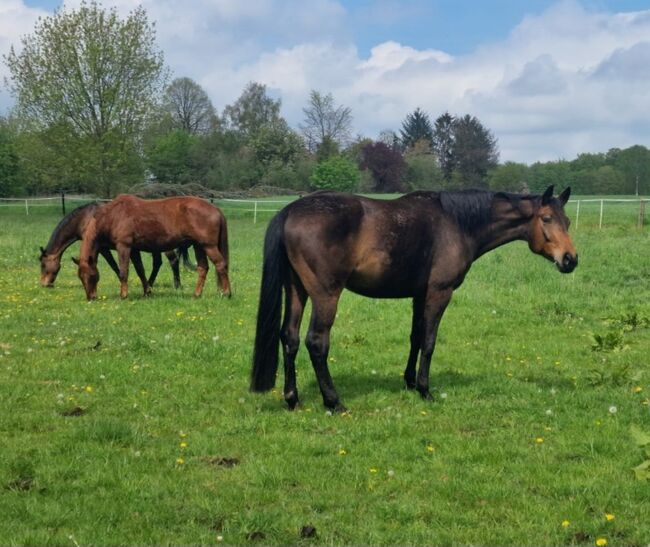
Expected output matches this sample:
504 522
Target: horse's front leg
136 258
123 255
435 305
108 256
416 341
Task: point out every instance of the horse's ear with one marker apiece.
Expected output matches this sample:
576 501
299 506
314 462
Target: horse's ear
547 195
564 196
75 260
42 251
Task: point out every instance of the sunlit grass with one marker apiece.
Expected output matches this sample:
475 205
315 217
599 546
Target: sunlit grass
131 422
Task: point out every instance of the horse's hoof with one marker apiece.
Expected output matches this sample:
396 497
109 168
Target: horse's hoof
409 384
425 394
291 399
340 409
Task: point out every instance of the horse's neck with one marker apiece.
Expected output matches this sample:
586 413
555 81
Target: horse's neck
64 237
509 222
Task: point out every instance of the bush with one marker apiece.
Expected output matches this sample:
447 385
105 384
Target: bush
336 173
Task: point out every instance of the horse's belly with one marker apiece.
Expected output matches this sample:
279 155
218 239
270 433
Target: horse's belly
381 286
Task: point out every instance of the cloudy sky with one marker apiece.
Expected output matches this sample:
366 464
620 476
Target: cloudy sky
550 78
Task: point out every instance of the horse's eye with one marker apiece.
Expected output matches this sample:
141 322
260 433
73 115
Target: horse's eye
546 219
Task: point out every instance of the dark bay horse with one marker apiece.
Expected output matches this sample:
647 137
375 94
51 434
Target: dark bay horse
70 229
129 223
418 246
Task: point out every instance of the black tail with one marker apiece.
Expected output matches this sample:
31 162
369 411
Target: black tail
267 336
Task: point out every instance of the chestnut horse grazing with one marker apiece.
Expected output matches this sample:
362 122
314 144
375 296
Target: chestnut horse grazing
418 246
70 229
129 223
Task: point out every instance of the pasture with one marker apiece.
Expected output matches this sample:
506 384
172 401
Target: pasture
130 422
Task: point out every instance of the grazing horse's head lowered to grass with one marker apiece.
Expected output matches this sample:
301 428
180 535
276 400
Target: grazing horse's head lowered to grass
418 246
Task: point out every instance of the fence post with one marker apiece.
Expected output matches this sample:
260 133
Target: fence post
255 212
641 213
600 222
63 203
577 215
26 208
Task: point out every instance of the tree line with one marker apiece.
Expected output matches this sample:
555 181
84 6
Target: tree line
96 113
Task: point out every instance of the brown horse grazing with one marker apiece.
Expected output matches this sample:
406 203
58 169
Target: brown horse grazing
129 223
70 229
418 246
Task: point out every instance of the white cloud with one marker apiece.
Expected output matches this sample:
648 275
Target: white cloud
563 82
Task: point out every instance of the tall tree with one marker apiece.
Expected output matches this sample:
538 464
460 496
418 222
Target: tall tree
386 165
416 127
252 110
325 121
189 107
9 166
443 144
475 151
96 74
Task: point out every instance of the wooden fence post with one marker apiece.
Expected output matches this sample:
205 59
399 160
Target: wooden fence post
641 213
63 203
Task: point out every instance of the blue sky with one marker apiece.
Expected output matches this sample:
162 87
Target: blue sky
550 78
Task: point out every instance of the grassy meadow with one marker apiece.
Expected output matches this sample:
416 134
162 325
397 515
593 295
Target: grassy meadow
130 422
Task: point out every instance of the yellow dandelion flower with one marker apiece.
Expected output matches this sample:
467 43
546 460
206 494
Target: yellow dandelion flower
180 461
638 389
373 470
539 440
89 389
423 412
601 542
183 444
430 448
342 452
609 517
565 524
182 434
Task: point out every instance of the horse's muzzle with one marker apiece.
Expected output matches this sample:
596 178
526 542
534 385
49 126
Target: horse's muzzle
568 264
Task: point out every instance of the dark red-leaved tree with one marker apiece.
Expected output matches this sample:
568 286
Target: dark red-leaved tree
386 165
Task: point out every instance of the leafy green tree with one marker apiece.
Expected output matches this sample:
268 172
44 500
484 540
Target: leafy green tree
169 157
326 124
326 149
9 161
416 127
422 171
475 151
542 175
98 76
511 177
253 110
634 164
189 108
336 173
443 144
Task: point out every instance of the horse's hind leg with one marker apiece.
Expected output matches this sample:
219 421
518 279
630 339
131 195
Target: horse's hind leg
175 263
416 342
318 344
221 266
136 258
201 268
295 298
155 268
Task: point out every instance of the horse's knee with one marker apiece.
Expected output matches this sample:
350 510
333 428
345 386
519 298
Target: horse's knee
317 344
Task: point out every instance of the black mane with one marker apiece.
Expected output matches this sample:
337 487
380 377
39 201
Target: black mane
65 221
472 209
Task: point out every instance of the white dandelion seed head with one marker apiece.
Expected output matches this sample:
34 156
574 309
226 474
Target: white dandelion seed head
613 409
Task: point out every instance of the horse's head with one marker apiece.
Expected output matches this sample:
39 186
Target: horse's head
89 275
548 233
50 266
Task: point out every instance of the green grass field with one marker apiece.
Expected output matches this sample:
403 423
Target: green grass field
130 422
